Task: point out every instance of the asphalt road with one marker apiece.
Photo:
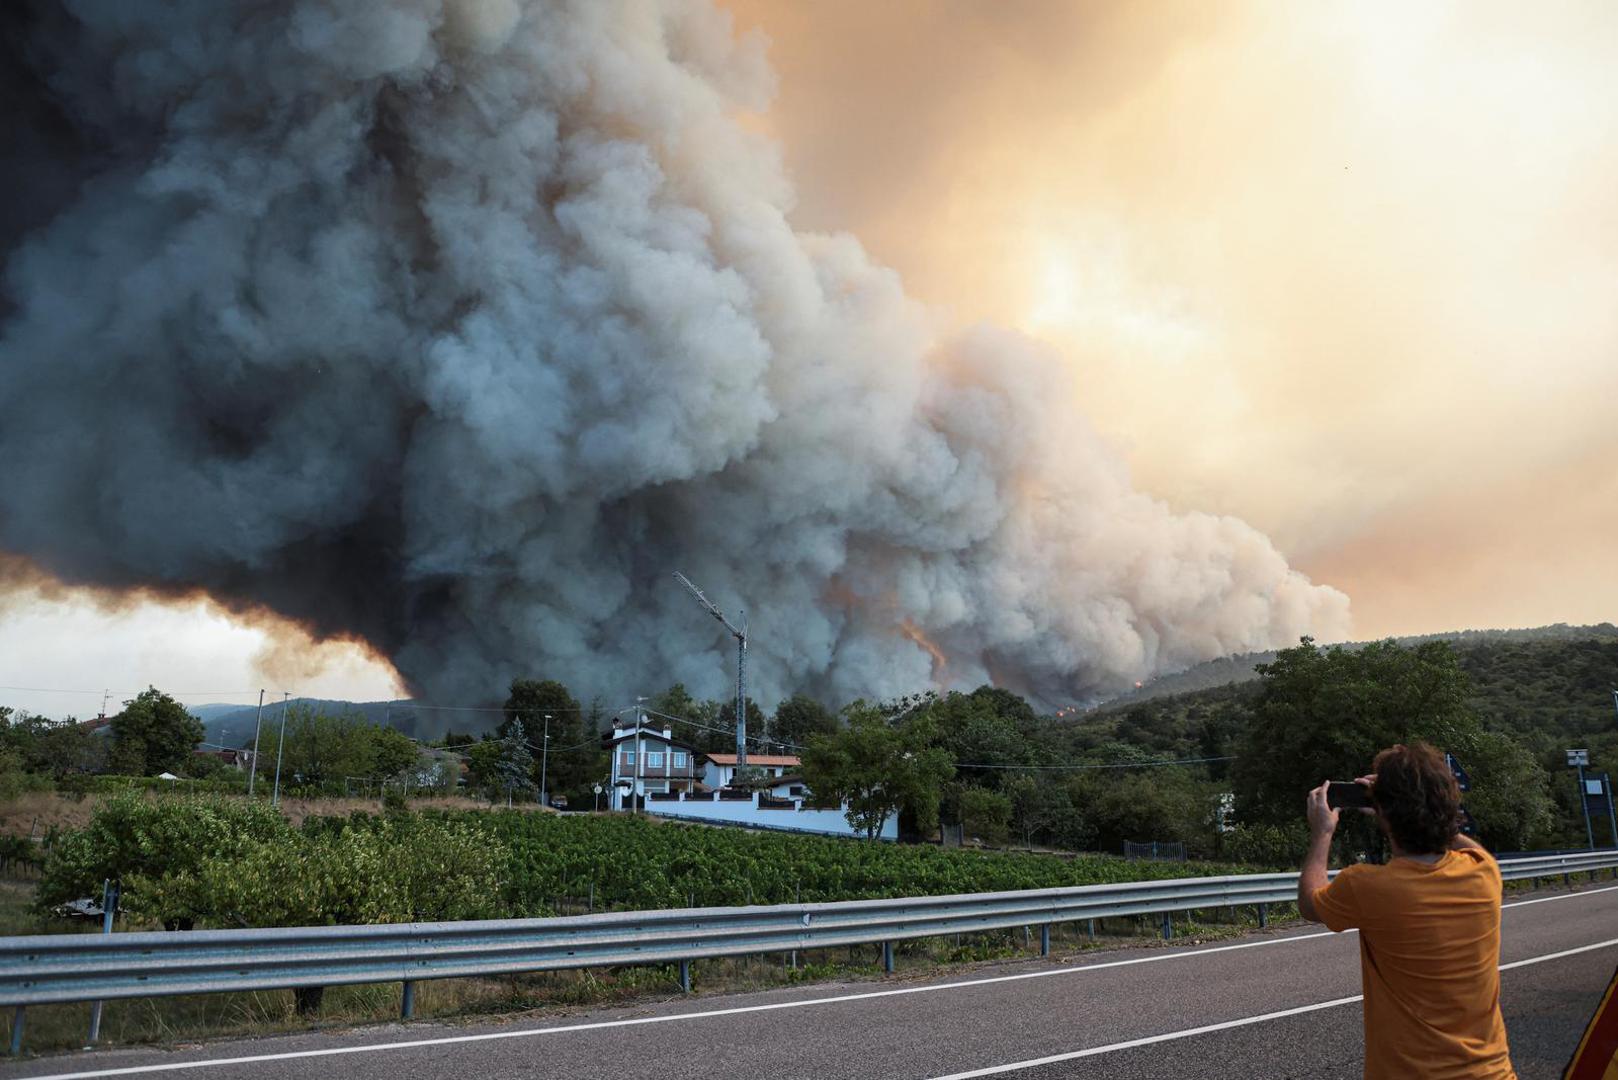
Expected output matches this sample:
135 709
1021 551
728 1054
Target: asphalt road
1283 1004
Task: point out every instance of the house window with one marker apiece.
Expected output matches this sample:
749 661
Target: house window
679 760
629 757
654 760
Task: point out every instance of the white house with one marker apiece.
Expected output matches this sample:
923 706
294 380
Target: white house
646 760
719 770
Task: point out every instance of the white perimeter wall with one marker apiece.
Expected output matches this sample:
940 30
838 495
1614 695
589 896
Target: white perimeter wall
740 812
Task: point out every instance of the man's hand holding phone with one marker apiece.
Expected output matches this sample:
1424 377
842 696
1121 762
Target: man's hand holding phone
1333 796
1322 814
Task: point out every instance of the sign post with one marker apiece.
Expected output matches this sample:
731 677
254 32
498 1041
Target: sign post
1578 759
1612 819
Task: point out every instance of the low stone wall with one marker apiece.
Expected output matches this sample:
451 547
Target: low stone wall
717 811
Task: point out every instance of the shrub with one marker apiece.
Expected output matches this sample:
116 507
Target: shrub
205 862
1276 847
140 841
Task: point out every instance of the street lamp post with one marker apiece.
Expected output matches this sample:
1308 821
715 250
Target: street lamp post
280 749
1578 759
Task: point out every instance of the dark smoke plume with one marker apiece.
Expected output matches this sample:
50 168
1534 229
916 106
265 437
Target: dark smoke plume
457 325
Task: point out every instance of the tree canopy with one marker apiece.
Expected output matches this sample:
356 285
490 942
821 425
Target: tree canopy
153 734
878 767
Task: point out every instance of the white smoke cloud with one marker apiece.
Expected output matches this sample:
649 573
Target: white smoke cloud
460 324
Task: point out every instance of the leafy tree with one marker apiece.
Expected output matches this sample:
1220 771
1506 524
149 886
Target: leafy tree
576 759
51 748
1324 713
985 814
1510 800
1043 813
980 731
798 719
1165 804
483 764
878 767
530 700
153 734
391 752
136 840
320 749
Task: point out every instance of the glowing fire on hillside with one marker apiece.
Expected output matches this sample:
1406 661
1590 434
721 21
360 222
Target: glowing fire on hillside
940 662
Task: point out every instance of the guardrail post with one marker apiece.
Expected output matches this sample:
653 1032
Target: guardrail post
1263 916
16 1030
1092 929
407 1007
1168 926
887 957
1045 940
685 976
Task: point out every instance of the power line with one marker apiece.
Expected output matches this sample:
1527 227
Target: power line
1087 765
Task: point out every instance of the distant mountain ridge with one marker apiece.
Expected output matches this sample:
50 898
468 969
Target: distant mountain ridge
1238 669
232 725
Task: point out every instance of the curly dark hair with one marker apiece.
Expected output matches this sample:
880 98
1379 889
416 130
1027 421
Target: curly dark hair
1416 796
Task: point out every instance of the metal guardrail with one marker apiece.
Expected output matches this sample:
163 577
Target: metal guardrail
51 968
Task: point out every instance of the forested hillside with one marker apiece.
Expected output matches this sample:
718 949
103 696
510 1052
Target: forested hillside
1229 669
1547 692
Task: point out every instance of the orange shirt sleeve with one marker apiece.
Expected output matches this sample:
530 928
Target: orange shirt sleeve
1338 904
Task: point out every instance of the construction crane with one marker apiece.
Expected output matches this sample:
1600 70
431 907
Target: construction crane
741 663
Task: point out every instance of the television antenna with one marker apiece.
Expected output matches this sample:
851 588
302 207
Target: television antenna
741 663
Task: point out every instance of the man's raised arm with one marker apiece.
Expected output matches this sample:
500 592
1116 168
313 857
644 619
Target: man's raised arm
1322 824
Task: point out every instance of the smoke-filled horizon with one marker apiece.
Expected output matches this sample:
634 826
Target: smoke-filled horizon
1344 271
457 326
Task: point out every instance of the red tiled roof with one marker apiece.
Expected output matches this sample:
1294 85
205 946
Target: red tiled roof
762 760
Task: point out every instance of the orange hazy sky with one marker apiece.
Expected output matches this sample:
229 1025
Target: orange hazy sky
1347 271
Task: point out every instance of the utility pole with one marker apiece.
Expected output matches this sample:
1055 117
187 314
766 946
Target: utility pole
544 762
635 796
258 725
741 664
280 749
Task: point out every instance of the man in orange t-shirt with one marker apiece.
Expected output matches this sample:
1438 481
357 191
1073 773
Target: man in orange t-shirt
1429 923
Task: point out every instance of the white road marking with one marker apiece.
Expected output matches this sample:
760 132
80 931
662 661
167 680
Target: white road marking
1560 896
1110 1048
1558 955
1170 1036
963 984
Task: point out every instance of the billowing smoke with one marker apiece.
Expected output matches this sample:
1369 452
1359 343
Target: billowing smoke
458 325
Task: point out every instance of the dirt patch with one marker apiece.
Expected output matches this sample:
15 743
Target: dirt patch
38 812
297 810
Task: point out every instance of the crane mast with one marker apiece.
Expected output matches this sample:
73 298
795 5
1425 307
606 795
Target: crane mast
741 663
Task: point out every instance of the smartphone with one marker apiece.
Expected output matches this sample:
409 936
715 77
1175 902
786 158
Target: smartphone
1347 795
